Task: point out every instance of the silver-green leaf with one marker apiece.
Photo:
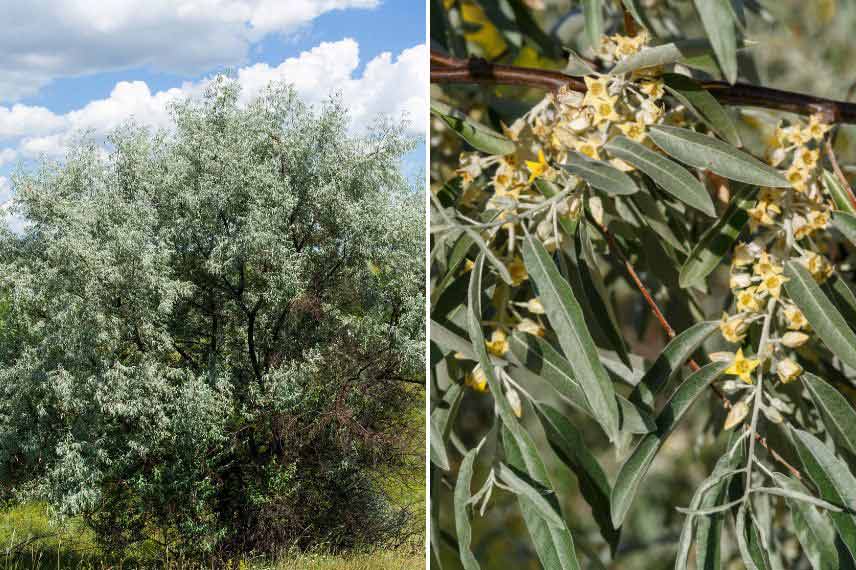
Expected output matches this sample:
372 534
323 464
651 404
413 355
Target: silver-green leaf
717 18
702 151
479 136
668 175
600 175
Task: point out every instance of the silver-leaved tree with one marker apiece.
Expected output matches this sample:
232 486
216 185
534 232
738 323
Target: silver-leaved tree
643 325
212 336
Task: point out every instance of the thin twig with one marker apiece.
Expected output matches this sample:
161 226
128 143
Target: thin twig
445 69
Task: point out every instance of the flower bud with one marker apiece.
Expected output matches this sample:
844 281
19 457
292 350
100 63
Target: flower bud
794 339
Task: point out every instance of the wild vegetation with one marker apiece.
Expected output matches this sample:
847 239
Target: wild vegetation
643 336
212 336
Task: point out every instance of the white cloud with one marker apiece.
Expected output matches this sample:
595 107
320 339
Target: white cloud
389 85
46 39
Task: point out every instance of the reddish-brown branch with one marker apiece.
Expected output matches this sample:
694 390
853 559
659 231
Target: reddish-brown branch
445 69
652 304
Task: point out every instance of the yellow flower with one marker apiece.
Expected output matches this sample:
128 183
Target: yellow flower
746 301
796 319
529 326
588 147
653 88
498 344
734 328
798 135
596 90
818 266
816 127
759 216
772 284
742 367
477 380
818 219
604 110
806 158
537 168
798 176
633 130
626 46
788 370
766 266
518 272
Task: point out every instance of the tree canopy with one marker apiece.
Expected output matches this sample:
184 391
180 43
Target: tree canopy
214 334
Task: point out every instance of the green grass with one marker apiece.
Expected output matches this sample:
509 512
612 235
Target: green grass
30 541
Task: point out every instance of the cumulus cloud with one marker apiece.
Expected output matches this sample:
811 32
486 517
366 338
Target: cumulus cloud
46 39
389 85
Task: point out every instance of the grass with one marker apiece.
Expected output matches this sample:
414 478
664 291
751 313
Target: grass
30 541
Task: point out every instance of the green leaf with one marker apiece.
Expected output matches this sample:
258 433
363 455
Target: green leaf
566 317
839 415
462 517
749 542
567 442
702 151
462 246
820 313
699 100
670 361
717 240
554 546
538 358
708 536
442 419
633 470
527 487
477 135
668 175
814 530
833 481
600 175
842 297
593 12
717 18
846 224
663 54
840 194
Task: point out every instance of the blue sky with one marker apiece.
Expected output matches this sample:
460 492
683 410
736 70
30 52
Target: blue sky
68 65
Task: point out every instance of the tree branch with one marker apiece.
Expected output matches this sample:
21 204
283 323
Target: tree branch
445 69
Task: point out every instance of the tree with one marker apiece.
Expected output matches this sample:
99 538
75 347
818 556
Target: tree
635 256
214 334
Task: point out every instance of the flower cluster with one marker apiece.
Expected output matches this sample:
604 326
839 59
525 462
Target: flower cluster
786 224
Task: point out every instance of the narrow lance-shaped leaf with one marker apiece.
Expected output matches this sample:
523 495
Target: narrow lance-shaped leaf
537 357
565 315
529 488
670 361
442 419
663 54
633 470
708 535
839 415
702 151
840 194
567 442
717 240
479 136
820 313
717 18
554 545
593 12
833 480
668 175
690 93
749 543
845 223
813 529
462 516
600 175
